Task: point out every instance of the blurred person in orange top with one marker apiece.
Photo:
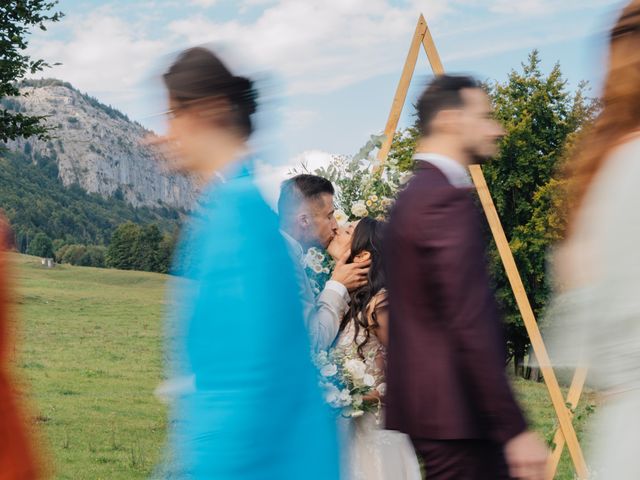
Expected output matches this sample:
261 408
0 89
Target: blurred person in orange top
18 459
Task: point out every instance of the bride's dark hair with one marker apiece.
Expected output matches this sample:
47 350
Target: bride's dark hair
198 74
367 236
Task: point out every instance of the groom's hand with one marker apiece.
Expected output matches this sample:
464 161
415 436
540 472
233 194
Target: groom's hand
526 456
351 275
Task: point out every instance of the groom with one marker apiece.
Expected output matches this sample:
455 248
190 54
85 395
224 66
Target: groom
306 211
446 381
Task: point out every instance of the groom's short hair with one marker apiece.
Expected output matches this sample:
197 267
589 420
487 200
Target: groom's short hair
444 92
303 187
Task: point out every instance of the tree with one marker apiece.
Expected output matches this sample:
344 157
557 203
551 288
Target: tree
147 249
121 252
165 255
17 17
403 147
41 246
541 117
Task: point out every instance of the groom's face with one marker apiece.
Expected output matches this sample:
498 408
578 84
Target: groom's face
323 224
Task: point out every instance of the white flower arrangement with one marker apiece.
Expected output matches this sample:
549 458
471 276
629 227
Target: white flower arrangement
359 209
341 217
346 383
364 188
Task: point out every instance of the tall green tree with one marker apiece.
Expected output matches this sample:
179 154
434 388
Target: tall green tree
147 249
541 116
41 246
121 252
17 18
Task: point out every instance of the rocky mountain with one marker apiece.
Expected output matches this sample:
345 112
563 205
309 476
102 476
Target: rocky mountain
98 148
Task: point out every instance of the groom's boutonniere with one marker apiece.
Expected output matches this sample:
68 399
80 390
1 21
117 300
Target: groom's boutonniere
318 266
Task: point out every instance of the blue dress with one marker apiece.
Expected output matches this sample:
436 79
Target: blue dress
253 409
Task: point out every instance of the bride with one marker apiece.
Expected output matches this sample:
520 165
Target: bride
373 452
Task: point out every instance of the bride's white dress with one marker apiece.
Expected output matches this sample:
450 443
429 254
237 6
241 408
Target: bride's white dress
375 453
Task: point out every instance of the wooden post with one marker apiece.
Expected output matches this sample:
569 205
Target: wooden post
566 433
403 87
573 397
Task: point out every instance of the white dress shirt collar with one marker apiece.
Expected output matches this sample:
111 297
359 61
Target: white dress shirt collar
457 174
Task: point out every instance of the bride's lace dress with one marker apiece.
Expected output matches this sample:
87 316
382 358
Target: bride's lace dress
376 453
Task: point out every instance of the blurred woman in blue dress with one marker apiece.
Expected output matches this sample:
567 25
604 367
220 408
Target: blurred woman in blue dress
246 404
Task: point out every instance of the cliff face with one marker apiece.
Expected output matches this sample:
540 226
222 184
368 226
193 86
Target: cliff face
98 147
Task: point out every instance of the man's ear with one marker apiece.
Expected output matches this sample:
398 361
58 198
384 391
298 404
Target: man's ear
362 257
303 220
446 121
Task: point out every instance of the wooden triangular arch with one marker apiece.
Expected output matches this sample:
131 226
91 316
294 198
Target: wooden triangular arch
566 433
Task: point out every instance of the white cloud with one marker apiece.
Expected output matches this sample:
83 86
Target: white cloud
318 46
311 46
296 119
521 6
104 54
204 3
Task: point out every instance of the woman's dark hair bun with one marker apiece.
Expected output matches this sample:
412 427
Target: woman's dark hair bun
245 95
198 74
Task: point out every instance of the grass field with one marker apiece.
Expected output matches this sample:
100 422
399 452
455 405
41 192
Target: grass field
90 349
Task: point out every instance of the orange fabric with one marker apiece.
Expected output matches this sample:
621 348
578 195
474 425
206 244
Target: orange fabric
17 453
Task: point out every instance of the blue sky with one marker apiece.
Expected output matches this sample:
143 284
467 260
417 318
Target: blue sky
329 67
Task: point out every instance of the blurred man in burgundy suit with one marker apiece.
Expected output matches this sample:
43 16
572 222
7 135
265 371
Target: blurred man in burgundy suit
446 380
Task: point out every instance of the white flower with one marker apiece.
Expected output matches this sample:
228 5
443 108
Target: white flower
316 268
386 202
368 380
357 400
345 397
332 395
329 370
311 259
341 217
356 368
382 389
359 209
373 198
355 413
322 357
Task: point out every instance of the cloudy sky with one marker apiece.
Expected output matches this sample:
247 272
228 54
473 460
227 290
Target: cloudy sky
329 67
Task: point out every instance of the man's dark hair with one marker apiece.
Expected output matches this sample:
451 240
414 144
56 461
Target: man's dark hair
300 188
443 92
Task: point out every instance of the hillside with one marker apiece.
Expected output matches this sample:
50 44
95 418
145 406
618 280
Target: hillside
35 200
92 175
97 147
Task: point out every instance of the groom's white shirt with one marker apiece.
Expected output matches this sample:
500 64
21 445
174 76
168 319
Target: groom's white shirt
322 314
457 175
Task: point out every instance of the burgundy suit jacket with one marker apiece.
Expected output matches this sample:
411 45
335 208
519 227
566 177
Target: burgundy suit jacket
446 359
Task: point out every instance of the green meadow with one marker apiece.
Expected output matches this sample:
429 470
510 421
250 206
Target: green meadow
90 352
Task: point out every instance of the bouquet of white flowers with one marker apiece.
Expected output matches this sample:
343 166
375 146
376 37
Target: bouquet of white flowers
346 383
